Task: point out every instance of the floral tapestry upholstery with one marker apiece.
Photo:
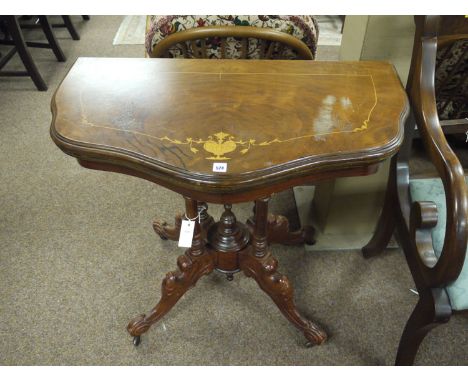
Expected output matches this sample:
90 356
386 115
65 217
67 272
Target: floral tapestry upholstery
451 81
302 27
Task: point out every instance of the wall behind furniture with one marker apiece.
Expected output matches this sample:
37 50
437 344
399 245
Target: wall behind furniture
387 38
346 210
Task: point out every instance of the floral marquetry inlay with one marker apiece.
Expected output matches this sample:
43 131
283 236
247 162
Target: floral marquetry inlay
219 144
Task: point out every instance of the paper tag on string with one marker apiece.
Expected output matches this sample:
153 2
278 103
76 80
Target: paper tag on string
186 233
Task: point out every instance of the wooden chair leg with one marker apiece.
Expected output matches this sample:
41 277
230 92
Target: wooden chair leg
432 309
71 28
49 33
14 31
387 220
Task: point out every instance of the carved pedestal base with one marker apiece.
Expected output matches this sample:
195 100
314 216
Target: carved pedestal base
229 247
278 228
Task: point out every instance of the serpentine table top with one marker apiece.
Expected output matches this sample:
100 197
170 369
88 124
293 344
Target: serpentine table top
271 124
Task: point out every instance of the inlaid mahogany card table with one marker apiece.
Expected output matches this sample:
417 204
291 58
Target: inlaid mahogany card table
229 131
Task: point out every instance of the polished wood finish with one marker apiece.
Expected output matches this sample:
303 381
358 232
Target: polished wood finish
275 125
167 232
258 263
269 39
229 250
413 221
278 230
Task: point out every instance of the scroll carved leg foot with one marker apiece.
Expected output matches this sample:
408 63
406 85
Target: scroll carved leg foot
165 231
278 231
278 287
175 284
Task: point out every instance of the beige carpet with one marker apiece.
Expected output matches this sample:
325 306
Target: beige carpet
131 31
79 259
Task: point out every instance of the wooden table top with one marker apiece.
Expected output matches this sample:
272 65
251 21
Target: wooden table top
270 122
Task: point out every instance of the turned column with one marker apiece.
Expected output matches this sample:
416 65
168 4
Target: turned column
260 234
226 239
191 211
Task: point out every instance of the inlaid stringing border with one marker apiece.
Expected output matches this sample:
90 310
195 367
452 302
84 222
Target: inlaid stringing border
224 143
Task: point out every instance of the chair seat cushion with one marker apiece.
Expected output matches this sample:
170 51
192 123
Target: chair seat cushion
433 190
305 28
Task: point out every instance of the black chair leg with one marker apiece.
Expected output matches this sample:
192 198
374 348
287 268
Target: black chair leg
46 27
17 36
85 17
71 28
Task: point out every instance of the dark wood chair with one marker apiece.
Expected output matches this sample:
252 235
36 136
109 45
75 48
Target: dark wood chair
31 22
68 23
429 215
14 37
200 42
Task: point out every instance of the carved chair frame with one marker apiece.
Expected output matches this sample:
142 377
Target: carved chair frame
414 221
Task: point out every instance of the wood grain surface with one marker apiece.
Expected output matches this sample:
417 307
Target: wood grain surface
270 122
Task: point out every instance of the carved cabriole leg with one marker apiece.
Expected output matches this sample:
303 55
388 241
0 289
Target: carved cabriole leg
432 309
258 263
166 231
194 264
